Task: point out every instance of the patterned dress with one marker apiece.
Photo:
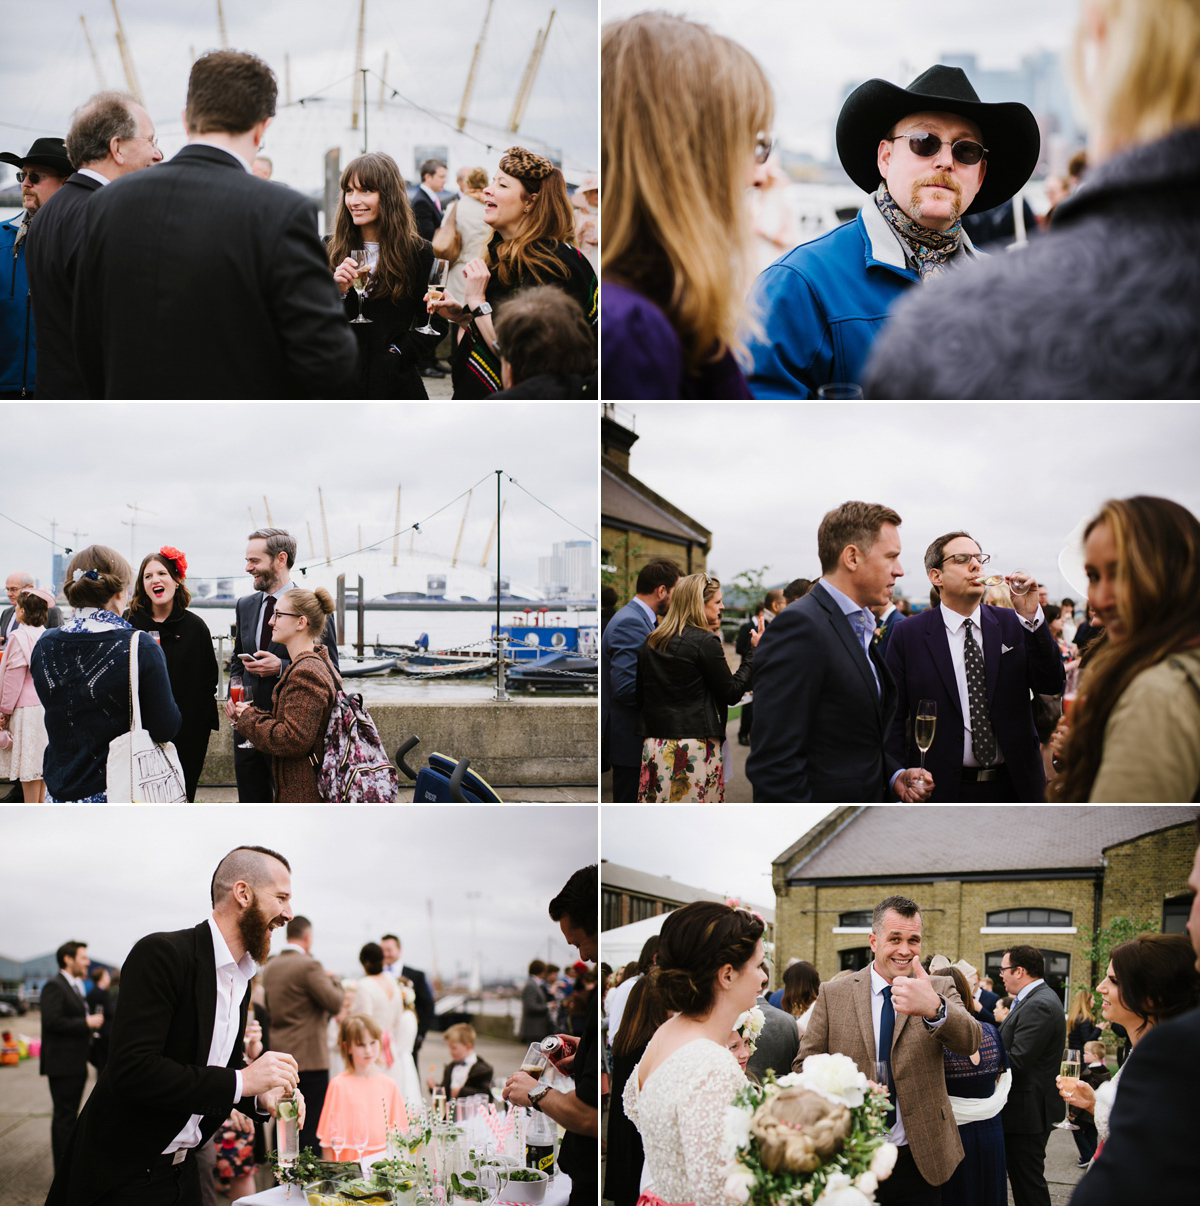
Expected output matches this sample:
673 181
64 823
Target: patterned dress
235 1154
980 1179
677 770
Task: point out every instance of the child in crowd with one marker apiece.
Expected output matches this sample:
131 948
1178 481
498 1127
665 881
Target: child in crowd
465 1074
1095 1073
362 1102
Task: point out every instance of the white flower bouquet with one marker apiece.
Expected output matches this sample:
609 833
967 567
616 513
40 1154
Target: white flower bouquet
408 996
817 1137
749 1025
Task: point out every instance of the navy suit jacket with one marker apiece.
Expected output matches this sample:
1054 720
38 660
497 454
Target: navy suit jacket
819 721
428 216
625 635
1015 661
246 641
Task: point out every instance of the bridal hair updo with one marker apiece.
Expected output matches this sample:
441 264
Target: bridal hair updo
103 573
313 605
696 942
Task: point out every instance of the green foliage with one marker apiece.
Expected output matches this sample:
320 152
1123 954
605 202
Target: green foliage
746 589
1095 947
627 560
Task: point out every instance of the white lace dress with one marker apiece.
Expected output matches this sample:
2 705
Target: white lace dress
680 1112
1106 1096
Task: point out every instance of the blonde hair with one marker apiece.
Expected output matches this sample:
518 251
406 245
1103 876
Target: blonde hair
1147 84
681 108
460 1032
356 1028
313 605
686 608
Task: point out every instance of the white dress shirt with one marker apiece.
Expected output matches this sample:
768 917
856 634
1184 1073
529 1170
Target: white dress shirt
233 977
460 1072
262 607
1026 991
432 196
864 629
95 175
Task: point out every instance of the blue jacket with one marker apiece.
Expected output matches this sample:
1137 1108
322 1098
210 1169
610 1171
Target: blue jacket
16 316
823 303
625 635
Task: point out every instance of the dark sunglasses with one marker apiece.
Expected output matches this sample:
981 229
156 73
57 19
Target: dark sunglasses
926 145
35 177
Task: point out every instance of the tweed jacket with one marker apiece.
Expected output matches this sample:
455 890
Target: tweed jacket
295 726
300 999
841 1022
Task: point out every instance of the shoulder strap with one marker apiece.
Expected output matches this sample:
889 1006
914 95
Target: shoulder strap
135 707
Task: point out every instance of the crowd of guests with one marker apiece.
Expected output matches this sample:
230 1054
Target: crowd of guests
223 271
973 1077
1092 307
555 1000
1029 705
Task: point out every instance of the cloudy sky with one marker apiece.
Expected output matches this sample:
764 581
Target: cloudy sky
108 876
811 50
198 473
721 849
46 69
1019 476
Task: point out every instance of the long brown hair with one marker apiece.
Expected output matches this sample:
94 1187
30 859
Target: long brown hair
399 243
530 253
801 984
1158 573
644 1013
142 601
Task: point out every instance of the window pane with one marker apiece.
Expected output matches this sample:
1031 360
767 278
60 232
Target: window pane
854 959
859 917
1175 914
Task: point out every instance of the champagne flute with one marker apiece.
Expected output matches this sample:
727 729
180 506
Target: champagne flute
360 1134
1019 583
436 291
337 1139
362 268
1071 1064
924 728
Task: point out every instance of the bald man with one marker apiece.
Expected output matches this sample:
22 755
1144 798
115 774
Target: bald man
14 584
176 1067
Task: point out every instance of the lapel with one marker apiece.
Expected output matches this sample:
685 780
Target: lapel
849 641
862 1010
77 1002
990 627
206 991
938 644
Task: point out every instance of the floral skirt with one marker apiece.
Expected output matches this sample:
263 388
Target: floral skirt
682 770
235 1154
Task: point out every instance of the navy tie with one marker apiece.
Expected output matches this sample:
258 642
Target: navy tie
887 1028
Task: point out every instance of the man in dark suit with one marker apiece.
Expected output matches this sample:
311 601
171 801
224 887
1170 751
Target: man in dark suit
110 136
624 636
14 584
221 276
1034 1035
985 747
257 661
176 1066
427 205
393 962
1151 1147
823 699
775 1048
535 1009
67 1032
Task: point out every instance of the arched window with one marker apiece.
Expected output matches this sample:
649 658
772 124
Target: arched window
1057 973
1040 919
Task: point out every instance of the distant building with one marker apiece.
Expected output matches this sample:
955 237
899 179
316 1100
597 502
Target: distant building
570 570
985 879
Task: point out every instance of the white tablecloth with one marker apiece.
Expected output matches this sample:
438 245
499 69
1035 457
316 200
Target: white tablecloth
557 1193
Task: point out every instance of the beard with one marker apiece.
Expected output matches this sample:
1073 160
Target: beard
946 181
254 929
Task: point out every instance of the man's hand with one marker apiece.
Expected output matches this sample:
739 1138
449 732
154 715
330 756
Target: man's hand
914 995
431 1081
913 785
518 1087
95 1021
270 1100
264 665
252 1039
566 1061
1026 605
272 1070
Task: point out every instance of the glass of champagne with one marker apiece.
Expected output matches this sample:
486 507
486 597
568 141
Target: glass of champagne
1072 1061
1020 583
437 1101
435 292
362 270
924 727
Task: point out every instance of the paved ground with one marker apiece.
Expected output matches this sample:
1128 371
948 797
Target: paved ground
26 1169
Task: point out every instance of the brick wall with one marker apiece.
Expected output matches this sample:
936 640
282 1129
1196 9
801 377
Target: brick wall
1146 871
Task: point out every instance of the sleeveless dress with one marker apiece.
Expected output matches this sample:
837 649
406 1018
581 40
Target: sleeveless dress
390 1015
680 1112
980 1179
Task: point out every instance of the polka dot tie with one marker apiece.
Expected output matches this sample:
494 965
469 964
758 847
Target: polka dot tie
983 739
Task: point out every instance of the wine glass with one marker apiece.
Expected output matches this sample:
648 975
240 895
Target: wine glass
362 268
1019 582
1072 1061
360 1134
924 728
436 291
238 694
337 1139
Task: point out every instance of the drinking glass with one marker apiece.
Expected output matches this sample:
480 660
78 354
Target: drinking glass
1072 1061
436 291
437 1101
360 1135
924 728
337 1139
362 264
237 694
881 1074
841 391
1019 582
288 1126
535 1062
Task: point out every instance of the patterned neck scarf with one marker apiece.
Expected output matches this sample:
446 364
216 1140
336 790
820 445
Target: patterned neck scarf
94 619
932 248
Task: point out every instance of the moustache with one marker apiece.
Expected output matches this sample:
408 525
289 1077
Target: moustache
944 180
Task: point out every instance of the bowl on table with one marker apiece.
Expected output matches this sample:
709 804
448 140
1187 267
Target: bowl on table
531 1193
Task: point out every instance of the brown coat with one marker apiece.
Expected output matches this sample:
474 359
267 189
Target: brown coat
300 999
295 727
840 1022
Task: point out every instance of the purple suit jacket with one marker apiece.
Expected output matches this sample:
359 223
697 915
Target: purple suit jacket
1015 662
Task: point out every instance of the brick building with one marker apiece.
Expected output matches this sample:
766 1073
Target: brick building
985 878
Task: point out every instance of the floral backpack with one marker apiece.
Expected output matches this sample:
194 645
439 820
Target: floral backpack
355 768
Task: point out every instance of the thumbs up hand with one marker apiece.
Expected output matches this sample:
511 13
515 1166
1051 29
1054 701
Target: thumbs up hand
914 994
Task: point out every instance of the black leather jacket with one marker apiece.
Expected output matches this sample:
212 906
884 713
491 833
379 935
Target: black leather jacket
684 689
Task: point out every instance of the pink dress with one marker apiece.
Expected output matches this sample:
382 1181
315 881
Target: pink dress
19 701
348 1100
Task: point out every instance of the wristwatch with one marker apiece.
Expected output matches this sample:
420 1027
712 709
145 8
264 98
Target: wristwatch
482 309
941 1013
536 1095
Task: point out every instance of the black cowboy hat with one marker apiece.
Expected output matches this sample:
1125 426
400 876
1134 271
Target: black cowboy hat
1010 131
49 152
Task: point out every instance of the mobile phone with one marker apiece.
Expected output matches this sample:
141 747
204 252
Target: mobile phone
248 657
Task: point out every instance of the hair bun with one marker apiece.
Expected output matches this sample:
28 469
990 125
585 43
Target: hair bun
325 599
525 165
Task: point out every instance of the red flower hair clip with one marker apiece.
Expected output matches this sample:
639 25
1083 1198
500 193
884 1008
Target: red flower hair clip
173 554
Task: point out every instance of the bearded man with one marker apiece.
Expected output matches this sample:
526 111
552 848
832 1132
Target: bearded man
928 153
176 1067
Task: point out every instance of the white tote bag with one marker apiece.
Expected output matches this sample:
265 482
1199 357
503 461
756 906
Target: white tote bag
141 770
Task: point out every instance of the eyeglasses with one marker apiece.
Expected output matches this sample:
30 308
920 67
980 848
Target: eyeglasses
1004 969
153 141
36 177
296 614
967 151
965 558
763 144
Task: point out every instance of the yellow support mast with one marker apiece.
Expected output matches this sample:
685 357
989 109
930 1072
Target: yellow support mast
466 99
531 70
131 79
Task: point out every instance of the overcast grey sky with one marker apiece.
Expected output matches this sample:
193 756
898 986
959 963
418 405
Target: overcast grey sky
726 849
811 50
200 470
108 876
46 69
1018 476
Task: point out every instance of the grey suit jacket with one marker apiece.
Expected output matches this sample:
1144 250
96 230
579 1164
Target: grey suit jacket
535 1011
53 620
1034 1035
246 641
776 1048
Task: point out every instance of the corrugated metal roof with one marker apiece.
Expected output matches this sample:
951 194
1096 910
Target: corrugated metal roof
622 502
885 841
663 887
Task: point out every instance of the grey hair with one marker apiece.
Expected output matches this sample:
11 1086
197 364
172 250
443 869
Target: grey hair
244 864
935 554
895 904
26 578
96 122
278 541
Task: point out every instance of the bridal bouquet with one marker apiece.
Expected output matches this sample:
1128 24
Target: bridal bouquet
749 1025
408 996
812 1138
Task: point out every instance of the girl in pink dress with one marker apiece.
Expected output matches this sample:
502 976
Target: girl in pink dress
361 1103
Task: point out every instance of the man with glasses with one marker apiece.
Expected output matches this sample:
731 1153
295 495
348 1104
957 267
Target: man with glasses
977 664
110 136
927 153
40 174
